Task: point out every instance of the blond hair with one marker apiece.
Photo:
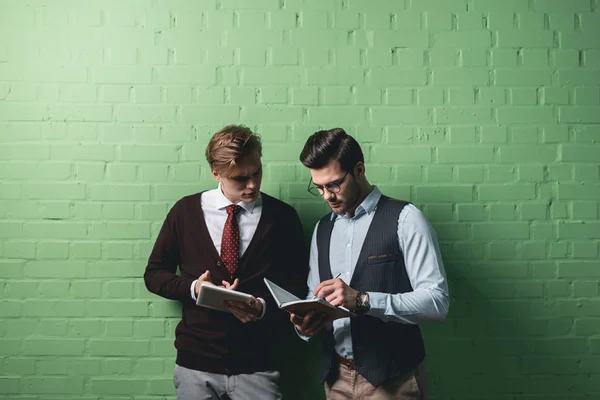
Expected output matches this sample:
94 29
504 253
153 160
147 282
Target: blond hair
229 145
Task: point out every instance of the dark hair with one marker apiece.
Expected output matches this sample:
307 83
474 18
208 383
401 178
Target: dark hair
229 145
331 145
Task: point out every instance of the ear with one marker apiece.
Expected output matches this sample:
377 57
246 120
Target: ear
215 175
359 169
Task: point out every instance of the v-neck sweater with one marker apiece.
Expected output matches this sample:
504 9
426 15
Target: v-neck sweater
214 341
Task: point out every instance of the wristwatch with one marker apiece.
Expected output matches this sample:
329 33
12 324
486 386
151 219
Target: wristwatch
362 303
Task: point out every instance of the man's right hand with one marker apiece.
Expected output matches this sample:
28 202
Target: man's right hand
309 324
205 277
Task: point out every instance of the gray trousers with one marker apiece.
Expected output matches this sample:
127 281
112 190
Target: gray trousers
199 385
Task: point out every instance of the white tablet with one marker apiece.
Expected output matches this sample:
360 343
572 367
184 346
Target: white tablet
212 296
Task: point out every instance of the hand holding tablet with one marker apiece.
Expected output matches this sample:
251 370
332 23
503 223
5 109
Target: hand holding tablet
212 296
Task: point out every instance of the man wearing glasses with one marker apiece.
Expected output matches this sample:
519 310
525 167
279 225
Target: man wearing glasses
392 277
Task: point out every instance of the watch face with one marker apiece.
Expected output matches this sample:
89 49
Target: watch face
362 302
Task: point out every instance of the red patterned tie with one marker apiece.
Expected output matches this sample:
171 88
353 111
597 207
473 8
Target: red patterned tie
230 242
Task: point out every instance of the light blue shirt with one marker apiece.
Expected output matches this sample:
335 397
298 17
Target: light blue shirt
429 299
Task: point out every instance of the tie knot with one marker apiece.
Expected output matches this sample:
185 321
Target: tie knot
233 209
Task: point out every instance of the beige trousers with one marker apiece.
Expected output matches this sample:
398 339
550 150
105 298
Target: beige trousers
351 385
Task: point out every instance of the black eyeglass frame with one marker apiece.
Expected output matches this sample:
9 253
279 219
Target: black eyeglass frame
332 187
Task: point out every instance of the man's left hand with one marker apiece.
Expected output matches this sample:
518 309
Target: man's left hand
243 311
337 293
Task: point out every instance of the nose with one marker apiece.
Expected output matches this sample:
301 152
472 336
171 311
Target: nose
327 195
253 183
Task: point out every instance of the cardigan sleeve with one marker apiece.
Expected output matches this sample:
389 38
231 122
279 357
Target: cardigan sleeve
161 276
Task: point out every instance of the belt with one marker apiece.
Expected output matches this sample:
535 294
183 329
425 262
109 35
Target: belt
347 362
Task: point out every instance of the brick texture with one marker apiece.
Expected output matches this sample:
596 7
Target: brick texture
484 113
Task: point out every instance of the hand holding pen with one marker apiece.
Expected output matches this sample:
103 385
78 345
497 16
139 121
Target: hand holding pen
335 277
337 293
312 322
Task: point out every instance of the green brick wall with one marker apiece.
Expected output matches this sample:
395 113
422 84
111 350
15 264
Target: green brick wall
484 113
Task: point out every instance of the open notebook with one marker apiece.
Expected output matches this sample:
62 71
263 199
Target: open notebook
292 304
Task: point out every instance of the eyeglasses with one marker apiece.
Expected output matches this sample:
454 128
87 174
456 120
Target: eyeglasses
331 187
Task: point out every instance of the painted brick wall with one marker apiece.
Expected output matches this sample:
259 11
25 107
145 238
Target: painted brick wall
485 113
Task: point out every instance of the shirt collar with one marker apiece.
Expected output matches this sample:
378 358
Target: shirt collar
368 205
221 201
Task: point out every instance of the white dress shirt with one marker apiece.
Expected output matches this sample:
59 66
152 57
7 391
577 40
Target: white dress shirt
213 203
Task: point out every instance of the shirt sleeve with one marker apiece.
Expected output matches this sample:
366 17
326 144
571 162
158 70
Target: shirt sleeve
193 291
429 299
264 309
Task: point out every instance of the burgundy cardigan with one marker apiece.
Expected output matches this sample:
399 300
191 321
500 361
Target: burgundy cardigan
215 341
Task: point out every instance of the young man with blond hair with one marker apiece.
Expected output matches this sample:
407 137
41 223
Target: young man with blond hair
232 236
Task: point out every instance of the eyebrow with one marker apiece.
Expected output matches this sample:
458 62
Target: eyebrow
246 176
337 181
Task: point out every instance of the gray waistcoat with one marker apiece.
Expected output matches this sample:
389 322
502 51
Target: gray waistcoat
382 350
